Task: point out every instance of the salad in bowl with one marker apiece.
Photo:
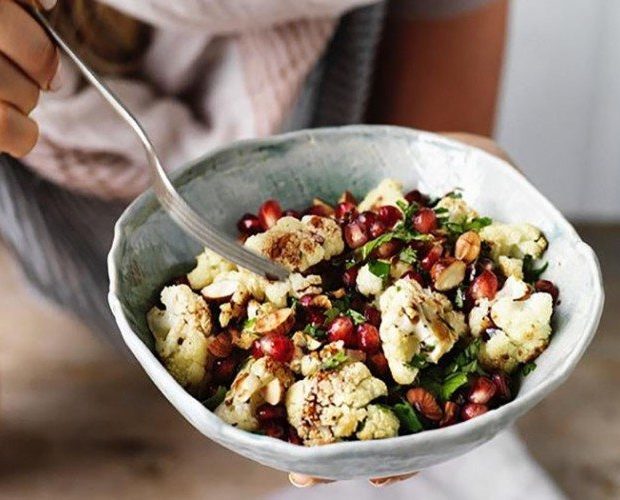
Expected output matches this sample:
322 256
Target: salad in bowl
402 313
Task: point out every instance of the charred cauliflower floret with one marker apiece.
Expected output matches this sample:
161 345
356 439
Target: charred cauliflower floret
388 192
519 322
367 282
299 245
380 423
511 266
182 335
514 240
416 321
458 210
330 404
209 265
259 381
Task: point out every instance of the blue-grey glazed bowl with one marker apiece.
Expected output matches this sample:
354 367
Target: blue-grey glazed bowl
149 249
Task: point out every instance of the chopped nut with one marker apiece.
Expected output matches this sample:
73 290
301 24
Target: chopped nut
467 247
448 273
276 323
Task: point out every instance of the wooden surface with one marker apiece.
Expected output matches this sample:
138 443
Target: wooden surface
77 420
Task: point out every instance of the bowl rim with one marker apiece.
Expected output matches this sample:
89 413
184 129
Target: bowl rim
213 427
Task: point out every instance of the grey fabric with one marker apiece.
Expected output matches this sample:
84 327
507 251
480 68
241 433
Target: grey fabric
62 239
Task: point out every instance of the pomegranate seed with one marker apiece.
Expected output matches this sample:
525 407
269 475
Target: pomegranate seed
345 211
268 413
306 300
368 338
502 383
291 213
372 315
450 414
378 365
433 255
293 437
274 430
257 350
547 286
388 249
224 369
367 218
484 286
423 401
278 347
341 328
315 316
482 391
416 197
355 234
415 276
472 410
269 213
389 215
425 221
349 277
249 224
376 229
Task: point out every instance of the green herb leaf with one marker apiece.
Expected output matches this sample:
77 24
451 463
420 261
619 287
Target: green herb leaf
531 274
315 332
357 317
408 255
419 361
453 383
467 360
380 269
335 361
475 224
214 401
409 420
528 368
331 314
248 324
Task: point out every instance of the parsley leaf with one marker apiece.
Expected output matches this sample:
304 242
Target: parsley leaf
476 224
409 420
379 268
467 360
248 324
452 383
357 317
419 361
528 368
531 274
408 255
214 401
335 361
315 332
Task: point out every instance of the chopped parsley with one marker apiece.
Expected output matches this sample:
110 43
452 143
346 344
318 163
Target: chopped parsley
409 421
408 255
476 224
214 401
335 361
379 268
357 317
531 274
452 383
467 360
248 324
528 368
419 361
315 332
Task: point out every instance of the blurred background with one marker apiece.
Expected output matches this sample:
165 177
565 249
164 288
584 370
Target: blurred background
78 420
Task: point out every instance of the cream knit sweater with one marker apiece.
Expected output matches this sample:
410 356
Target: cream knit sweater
241 61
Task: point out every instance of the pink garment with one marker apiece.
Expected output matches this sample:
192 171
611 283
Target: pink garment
244 60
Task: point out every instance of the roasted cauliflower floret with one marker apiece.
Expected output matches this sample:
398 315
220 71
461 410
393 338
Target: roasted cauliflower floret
416 321
458 210
330 404
380 423
209 265
299 245
511 266
514 240
367 282
182 334
388 192
259 381
519 322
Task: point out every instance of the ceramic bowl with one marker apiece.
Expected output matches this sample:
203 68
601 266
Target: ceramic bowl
149 249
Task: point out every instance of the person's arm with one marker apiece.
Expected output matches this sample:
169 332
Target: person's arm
440 70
